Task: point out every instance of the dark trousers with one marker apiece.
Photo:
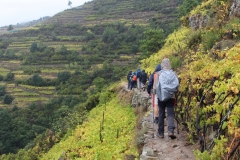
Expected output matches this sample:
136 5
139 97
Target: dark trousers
129 84
133 84
170 115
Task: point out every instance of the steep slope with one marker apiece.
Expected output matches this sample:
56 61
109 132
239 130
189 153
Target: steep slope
207 48
56 69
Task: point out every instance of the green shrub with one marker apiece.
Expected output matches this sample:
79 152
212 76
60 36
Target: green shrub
210 38
194 39
7 99
175 61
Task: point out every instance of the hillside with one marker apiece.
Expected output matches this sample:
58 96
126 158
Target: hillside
98 12
52 73
83 38
206 51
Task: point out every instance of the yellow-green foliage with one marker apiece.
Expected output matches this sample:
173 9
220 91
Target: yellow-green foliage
203 7
198 70
175 43
84 143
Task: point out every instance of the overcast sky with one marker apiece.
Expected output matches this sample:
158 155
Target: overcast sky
17 11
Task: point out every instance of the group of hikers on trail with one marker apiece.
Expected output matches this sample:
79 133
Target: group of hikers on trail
137 79
162 85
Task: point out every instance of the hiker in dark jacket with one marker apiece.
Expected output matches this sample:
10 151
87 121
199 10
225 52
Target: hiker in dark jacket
129 79
154 95
143 79
151 78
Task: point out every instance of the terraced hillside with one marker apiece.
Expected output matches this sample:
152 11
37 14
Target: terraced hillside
82 38
130 11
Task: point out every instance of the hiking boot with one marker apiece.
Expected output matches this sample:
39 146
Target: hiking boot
160 135
171 135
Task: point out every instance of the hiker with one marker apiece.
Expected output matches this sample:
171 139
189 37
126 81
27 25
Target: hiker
138 73
133 80
166 97
153 95
129 79
143 79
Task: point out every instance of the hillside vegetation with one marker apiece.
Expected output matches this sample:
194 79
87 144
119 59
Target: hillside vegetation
208 101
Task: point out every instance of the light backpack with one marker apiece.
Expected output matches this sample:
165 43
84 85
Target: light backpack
167 85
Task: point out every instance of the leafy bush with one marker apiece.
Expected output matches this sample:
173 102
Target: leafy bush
7 99
175 61
194 39
2 90
210 38
1 77
9 77
64 76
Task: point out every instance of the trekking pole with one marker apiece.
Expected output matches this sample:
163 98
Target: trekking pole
153 96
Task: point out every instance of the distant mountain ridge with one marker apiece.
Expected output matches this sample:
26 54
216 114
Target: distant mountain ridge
28 23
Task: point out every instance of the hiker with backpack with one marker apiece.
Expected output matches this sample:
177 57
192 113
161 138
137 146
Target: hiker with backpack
138 73
153 94
128 79
133 80
143 79
168 84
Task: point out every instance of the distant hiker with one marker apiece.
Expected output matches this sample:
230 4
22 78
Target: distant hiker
138 77
168 84
133 80
153 94
129 79
143 79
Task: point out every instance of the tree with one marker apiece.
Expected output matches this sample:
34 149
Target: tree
33 47
1 77
10 27
63 50
7 99
70 4
64 76
153 41
2 90
99 83
108 35
9 77
187 6
35 80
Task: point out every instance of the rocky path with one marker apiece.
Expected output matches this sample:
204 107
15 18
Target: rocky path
165 148
156 148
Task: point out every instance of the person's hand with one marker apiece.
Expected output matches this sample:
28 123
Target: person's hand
154 91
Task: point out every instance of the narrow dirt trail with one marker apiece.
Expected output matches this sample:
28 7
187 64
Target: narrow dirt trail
164 148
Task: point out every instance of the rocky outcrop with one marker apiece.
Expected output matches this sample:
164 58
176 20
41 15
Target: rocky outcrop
235 8
140 99
198 21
